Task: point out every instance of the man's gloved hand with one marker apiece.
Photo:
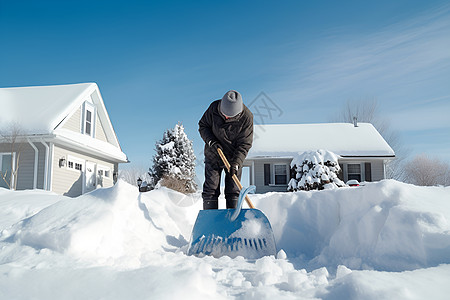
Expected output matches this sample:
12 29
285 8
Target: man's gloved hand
215 145
234 168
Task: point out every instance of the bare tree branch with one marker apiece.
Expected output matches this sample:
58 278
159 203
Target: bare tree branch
131 174
367 110
10 135
425 171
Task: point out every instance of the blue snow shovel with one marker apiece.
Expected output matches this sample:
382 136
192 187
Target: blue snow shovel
233 232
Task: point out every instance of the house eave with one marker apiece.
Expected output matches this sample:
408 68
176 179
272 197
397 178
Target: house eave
269 157
115 156
389 157
64 141
350 157
25 138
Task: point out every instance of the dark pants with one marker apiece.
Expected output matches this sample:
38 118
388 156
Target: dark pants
211 187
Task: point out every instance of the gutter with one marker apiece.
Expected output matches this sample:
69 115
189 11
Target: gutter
262 157
61 140
386 157
84 148
47 150
36 160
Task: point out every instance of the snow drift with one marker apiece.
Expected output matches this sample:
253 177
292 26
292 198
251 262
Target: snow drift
386 225
120 244
107 225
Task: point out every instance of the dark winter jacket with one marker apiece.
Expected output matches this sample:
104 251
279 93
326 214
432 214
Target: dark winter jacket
235 135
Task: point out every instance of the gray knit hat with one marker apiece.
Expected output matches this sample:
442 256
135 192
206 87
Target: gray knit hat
231 103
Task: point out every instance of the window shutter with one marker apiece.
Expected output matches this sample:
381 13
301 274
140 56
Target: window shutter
341 172
266 174
368 171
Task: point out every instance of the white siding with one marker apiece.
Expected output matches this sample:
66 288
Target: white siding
259 175
74 122
99 130
377 168
377 171
70 182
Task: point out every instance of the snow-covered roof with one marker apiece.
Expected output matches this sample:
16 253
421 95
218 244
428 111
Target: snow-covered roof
41 110
344 139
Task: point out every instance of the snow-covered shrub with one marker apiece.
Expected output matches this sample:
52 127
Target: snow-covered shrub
175 161
315 170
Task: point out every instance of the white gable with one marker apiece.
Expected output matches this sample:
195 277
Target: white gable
343 139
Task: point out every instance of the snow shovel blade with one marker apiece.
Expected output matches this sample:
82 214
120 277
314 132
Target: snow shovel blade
249 235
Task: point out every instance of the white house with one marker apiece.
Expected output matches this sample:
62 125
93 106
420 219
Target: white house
66 143
363 151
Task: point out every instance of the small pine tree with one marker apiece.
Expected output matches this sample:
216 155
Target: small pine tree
315 170
174 161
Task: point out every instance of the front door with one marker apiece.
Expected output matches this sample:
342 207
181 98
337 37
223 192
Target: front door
90 182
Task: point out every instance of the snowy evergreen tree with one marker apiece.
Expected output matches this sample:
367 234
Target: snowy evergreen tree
315 170
174 161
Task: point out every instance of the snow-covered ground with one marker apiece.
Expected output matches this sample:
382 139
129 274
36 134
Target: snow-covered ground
384 240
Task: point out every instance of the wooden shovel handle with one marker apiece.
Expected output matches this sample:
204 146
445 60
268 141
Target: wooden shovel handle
235 179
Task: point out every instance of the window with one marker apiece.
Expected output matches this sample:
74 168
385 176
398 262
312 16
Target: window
75 164
354 171
89 119
88 122
276 174
5 167
103 171
280 174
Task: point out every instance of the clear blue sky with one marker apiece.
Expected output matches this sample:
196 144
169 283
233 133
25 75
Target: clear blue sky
158 63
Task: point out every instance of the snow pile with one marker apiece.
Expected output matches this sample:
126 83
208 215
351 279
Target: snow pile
384 226
105 226
251 227
22 204
334 244
315 170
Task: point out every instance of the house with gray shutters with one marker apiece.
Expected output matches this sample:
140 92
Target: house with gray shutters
66 142
362 150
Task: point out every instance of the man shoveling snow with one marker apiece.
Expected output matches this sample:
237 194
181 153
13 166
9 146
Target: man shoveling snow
227 129
228 125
